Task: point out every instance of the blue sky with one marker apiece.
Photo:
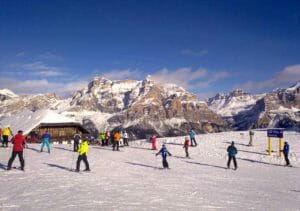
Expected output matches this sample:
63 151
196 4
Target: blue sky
204 46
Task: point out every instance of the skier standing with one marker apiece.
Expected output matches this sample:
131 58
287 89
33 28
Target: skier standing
153 141
77 138
232 151
193 137
125 138
107 137
186 147
45 141
82 155
18 141
5 134
286 149
102 138
164 153
251 134
117 137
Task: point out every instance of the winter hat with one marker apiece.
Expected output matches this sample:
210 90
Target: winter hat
232 143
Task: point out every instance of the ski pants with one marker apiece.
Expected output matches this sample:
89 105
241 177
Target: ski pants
193 140
76 146
165 162
45 142
229 161
186 152
84 158
286 158
5 140
12 158
125 141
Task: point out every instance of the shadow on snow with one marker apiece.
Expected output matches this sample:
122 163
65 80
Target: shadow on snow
205 164
143 165
57 166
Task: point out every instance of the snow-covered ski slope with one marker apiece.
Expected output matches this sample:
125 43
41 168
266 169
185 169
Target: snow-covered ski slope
132 179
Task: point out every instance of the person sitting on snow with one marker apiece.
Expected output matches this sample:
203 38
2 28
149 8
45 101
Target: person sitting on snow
164 153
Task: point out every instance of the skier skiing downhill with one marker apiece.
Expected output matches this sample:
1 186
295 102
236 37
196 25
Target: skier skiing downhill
82 155
186 147
232 151
18 142
153 141
45 141
164 153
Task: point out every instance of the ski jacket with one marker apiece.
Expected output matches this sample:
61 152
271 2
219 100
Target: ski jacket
102 136
153 139
286 149
117 136
232 151
186 144
83 148
107 135
125 135
46 137
77 137
18 141
6 132
164 152
192 134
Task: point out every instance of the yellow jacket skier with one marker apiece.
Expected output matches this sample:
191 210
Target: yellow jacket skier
82 155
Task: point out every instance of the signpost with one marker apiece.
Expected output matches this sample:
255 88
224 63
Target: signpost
275 133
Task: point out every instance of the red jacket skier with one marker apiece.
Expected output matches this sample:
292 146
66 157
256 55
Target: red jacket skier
186 146
153 141
18 142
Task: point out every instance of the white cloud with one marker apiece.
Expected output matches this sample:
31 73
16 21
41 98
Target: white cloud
119 74
41 86
284 78
49 56
39 68
20 54
190 52
188 78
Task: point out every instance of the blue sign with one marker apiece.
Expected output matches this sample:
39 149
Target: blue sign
276 133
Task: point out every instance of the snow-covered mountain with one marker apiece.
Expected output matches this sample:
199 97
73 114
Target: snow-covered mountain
279 108
140 107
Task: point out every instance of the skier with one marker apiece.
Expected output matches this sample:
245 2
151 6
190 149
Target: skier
117 137
5 134
18 142
125 138
153 141
186 147
77 138
45 141
107 137
164 153
286 149
102 138
232 151
251 134
192 137
82 155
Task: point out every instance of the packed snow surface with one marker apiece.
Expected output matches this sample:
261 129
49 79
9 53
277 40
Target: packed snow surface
132 179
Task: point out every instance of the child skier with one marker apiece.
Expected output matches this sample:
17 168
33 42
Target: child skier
45 141
164 153
18 142
186 147
82 155
192 135
153 141
232 151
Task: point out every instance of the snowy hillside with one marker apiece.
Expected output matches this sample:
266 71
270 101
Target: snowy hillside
132 179
228 105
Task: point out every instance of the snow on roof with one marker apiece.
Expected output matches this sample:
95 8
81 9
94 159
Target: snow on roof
27 120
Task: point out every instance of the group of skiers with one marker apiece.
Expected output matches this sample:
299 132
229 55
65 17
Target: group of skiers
19 142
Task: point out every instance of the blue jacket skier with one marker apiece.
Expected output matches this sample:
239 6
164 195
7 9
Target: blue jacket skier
286 149
164 153
192 135
232 151
45 141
